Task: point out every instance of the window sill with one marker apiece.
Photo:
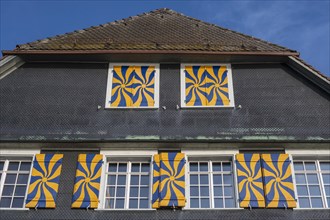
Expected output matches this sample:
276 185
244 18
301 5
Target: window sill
14 209
206 107
304 209
125 209
209 209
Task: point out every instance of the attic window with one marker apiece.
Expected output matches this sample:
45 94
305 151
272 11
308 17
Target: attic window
133 86
206 85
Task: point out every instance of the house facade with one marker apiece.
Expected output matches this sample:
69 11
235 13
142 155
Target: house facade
162 116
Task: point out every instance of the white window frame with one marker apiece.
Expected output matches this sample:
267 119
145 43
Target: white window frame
230 85
109 85
123 156
7 153
305 155
214 155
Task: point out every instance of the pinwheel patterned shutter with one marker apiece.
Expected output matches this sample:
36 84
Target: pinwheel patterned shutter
195 86
172 180
144 86
250 187
44 181
155 182
87 182
278 185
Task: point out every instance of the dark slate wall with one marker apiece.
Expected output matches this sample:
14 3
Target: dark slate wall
58 101
63 206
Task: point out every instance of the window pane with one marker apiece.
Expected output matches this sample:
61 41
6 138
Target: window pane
8 190
302 190
134 180
312 179
111 180
205 203
122 167
22 178
194 203
25 166
109 203
135 167
193 166
204 190
326 178
304 202
229 203
133 203
13 166
216 166
310 166
300 179
18 203
144 192
1 165
110 192
204 179
145 180
193 179
226 166
316 203
145 167
314 190
217 191
144 203
134 192
10 178
193 191
327 190
121 180
298 166
228 191
227 179
119 203
112 167
218 203
203 167
20 190
5 202
120 192
217 179
325 166
328 199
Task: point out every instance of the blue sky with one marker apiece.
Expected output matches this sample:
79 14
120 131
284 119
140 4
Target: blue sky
300 25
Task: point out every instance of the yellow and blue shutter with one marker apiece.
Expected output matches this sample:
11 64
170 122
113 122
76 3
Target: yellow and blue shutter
277 178
133 86
87 181
250 185
169 178
44 181
206 86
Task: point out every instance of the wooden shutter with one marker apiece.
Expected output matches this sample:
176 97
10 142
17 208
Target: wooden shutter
250 187
87 181
156 180
195 86
278 185
44 181
172 180
122 86
217 86
144 86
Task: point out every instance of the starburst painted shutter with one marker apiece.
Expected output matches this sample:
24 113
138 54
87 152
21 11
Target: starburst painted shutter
87 181
217 86
122 86
155 182
44 181
144 86
278 185
195 86
172 180
250 187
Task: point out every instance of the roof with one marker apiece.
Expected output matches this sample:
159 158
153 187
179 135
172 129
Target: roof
158 30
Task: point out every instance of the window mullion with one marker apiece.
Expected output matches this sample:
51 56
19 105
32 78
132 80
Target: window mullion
323 194
4 174
128 180
211 184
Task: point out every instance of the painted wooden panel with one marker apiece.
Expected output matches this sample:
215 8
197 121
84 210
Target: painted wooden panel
156 180
249 175
278 185
44 181
172 180
195 81
87 181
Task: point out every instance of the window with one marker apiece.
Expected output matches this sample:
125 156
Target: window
312 183
206 85
128 185
14 180
133 86
211 184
